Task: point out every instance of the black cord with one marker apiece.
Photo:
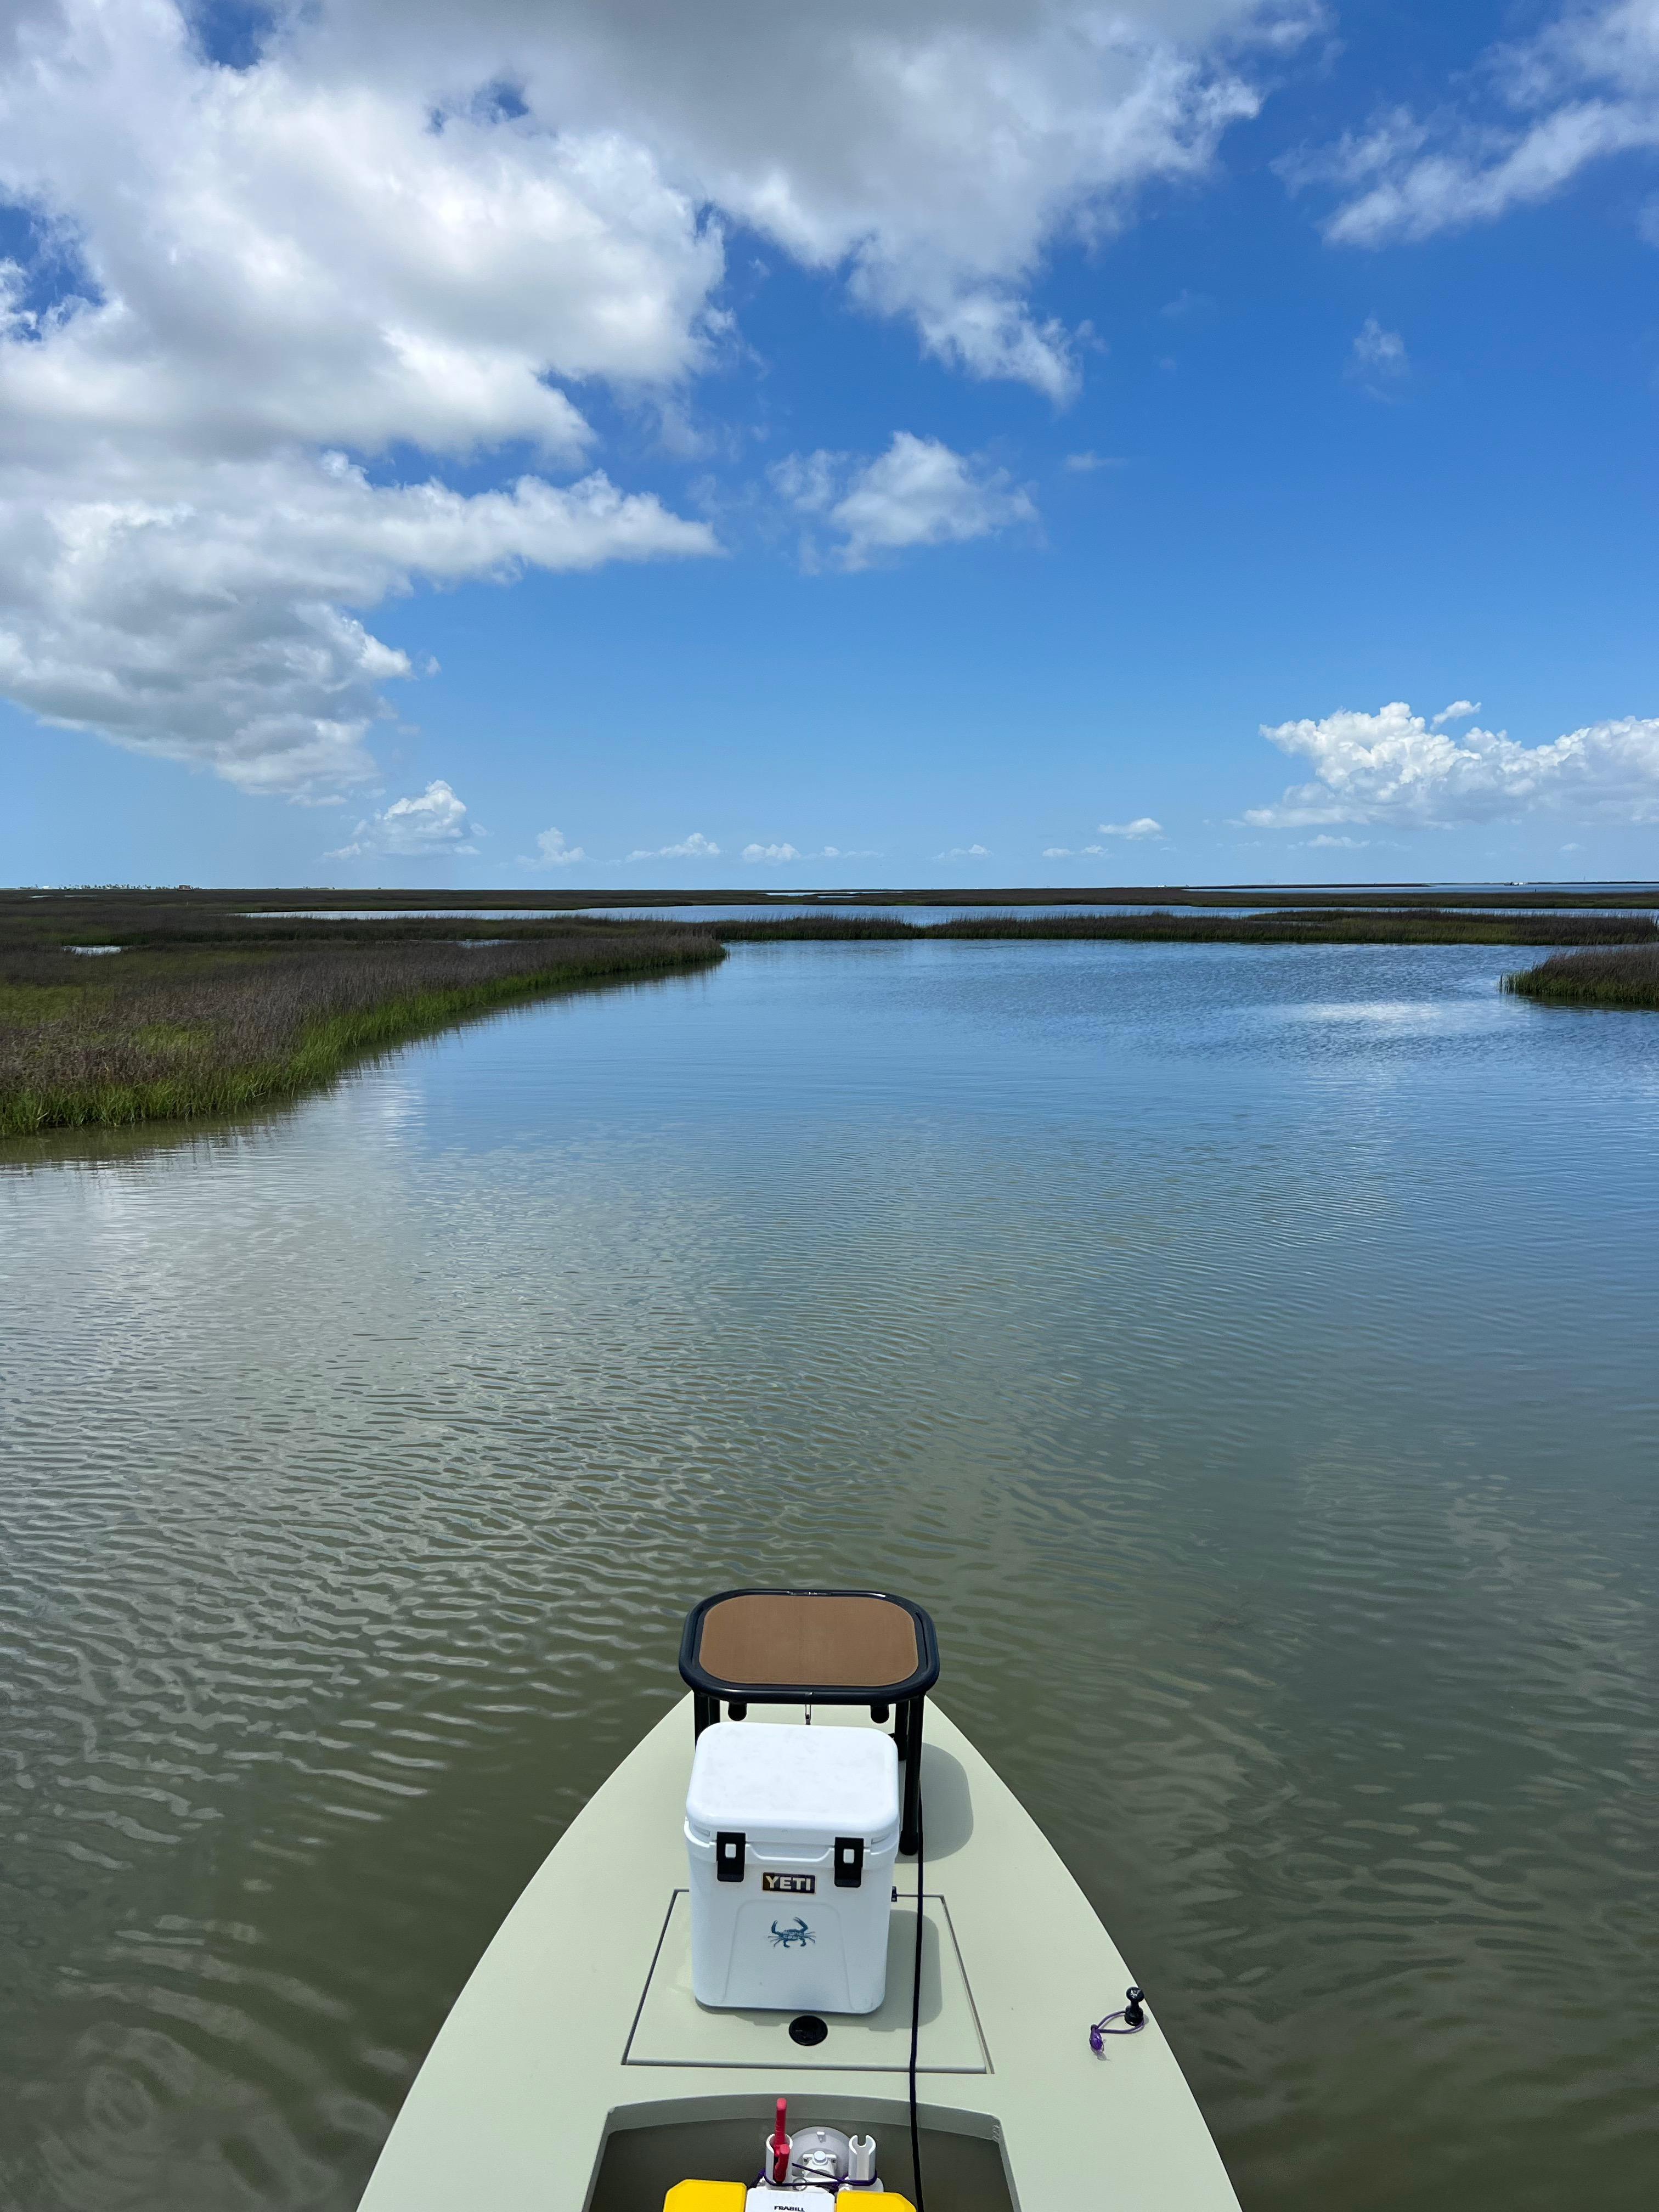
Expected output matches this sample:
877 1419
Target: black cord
915 2015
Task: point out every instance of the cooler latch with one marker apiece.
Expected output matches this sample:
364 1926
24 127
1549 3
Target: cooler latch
729 1848
850 1861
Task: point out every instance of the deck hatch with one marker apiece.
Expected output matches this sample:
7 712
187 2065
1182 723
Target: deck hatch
671 2028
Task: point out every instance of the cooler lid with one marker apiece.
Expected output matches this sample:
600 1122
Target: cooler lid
785 1782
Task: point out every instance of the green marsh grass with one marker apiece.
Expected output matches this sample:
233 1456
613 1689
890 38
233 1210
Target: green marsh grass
190 1031
1627 978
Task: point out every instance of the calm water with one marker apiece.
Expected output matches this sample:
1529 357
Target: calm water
1247 1352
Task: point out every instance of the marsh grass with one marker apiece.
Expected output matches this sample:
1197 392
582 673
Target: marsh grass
186 1032
1627 978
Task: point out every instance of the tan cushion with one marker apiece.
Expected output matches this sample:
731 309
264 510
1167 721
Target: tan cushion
851 1643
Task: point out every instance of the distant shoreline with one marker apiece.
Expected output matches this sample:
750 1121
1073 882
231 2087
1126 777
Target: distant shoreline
23 903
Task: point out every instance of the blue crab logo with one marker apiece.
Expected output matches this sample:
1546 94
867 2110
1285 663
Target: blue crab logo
798 1936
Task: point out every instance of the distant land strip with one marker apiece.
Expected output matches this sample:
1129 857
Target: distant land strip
180 918
22 902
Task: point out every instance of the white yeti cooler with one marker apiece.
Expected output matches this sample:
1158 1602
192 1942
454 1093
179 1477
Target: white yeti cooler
792 1834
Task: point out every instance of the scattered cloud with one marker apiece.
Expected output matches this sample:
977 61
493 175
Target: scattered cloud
1084 465
1394 768
1325 841
1188 307
789 853
965 853
1379 363
1144 826
696 847
552 851
917 493
1538 112
433 825
1459 711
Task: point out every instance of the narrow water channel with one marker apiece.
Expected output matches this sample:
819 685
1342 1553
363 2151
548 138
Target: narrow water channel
1248 1354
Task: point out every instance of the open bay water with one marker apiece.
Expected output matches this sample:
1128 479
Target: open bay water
1247 1353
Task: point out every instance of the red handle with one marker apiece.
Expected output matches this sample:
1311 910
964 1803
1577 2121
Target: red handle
779 2145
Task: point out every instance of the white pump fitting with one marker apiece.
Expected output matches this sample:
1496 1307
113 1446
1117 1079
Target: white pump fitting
819 2154
861 2159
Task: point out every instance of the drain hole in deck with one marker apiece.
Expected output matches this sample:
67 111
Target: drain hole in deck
807 2028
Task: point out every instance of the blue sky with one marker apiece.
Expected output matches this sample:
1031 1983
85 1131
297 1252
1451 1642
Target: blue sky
997 429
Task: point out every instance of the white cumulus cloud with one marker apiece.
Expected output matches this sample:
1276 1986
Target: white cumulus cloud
965 853
1535 114
435 825
258 270
771 852
1459 711
1394 768
414 235
1142 826
928 154
201 610
696 847
552 851
919 492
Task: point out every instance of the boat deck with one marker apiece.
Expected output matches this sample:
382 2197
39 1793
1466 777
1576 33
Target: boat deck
577 2073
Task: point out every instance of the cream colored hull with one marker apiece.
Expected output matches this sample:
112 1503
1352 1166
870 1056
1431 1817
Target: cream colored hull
578 2019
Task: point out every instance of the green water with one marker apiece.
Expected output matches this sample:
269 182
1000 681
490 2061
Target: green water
1247 1353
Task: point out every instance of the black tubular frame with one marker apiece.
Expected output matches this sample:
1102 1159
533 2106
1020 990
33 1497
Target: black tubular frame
905 1697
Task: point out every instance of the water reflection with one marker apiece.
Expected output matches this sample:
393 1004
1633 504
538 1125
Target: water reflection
1253 1376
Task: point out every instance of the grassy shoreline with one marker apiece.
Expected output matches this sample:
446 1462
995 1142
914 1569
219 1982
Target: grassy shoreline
1628 978
190 1032
210 1009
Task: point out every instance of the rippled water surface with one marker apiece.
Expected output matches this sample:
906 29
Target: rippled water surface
1247 1354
